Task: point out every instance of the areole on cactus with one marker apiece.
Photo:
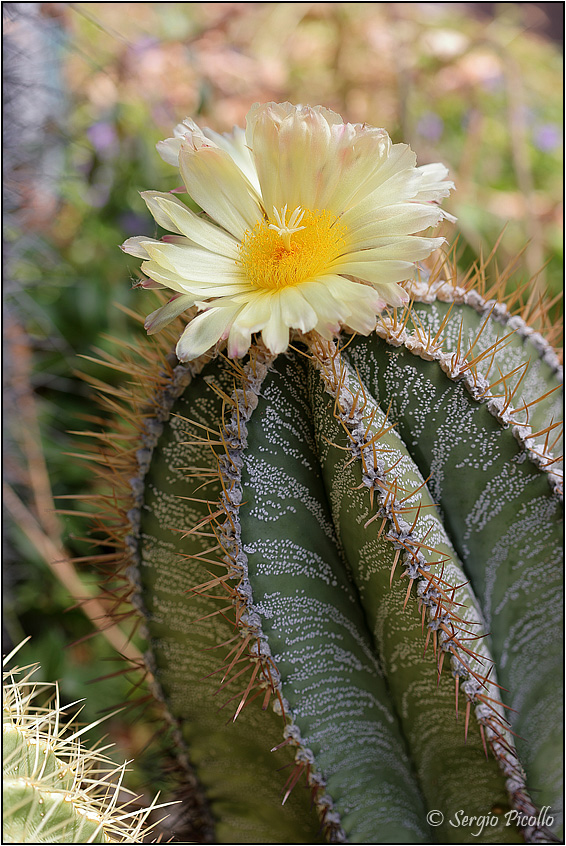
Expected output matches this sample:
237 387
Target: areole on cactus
346 549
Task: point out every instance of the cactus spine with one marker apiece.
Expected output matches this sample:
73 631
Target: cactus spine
334 532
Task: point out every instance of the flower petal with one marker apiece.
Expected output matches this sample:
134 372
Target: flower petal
400 219
399 187
157 213
296 311
290 148
178 218
254 315
403 247
362 160
330 311
219 187
204 291
275 333
379 272
170 148
434 185
393 294
164 315
256 310
195 264
239 341
135 246
234 143
362 301
166 277
205 330
149 284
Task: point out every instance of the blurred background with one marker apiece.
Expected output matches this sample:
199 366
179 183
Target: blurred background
89 88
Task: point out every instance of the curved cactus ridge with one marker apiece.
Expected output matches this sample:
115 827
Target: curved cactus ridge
351 555
55 790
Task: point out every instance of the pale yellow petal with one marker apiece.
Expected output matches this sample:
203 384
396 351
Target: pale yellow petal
434 185
135 246
205 330
162 219
205 290
275 333
219 187
182 219
379 271
403 247
234 143
290 147
393 294
362 301
239 340
352 294
263 312
397 188
170 148
165 277
256 311
330 311
164 315
361 159
401 219
295 310
195 264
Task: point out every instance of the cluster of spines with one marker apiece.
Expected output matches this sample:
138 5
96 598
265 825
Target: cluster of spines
483 288
528 319
460 365
61 769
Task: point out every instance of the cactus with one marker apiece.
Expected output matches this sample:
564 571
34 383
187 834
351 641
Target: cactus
283 508
55 790
345 548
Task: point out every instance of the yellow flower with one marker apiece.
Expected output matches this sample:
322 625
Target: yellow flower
309 223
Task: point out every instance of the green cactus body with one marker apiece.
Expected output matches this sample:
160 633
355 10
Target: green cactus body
284 507
39 812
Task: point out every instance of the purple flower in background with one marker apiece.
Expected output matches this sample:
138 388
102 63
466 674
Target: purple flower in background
547 137
131 223
147 42
430 126
102 136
